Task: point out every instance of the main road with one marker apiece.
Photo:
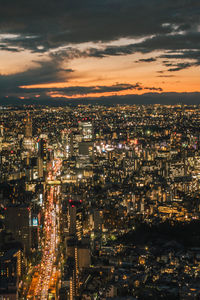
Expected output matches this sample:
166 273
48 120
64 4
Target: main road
45 278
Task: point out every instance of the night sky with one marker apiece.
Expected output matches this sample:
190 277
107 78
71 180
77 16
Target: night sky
92 49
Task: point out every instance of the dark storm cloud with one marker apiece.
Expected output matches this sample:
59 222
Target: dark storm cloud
168 26
182 47
179 66
151 59
182 54
180 50
55 23
48 72
45 72
84 90
70 91
10 49
176 42
165 25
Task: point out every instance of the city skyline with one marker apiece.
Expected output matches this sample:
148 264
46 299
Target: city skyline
100 202
109 50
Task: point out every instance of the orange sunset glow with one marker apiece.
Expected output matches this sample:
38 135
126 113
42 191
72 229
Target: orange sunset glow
133 53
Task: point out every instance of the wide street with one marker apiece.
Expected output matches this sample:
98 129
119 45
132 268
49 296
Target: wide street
45 278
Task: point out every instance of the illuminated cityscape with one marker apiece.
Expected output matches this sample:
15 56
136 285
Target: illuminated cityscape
100 150
100 202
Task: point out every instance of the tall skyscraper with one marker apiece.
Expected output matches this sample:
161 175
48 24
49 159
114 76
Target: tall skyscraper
72 219
1 135
1 130
28 127
40 167
42 157
86 146
28 142
86 129
42 149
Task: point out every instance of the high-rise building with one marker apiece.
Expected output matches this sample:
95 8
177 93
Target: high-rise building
1 130
10 273
75 216
42 149
42 157
11 263
86 145
84 256
86 149
72 253
28 142
67 142
1 135
72 219
40 168
72 291
28 127
86 130
17 220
